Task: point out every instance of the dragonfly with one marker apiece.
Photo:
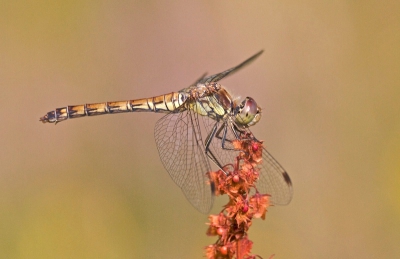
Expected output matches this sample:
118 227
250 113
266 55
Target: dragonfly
198 128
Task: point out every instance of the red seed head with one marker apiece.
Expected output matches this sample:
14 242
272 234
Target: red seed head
254 147
245 208
223 250
236 178
221 231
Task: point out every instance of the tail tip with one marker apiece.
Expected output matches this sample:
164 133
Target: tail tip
44 119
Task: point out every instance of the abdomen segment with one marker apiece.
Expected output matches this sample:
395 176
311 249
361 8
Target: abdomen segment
161 103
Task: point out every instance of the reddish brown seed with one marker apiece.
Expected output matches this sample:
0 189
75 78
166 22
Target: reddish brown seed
245 208
224 250
254 146
220 231
235 178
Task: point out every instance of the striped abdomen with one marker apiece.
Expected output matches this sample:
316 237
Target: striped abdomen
162 103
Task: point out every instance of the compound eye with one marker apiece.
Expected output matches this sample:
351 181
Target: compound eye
247 110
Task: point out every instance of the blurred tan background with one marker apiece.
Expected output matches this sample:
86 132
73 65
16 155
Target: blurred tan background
328 83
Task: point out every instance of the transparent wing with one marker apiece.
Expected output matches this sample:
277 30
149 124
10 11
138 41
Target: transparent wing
219 76
200 79
274 180
181 149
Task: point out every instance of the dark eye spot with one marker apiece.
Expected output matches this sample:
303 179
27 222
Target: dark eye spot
247 114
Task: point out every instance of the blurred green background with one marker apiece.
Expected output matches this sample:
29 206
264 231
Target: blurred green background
328 83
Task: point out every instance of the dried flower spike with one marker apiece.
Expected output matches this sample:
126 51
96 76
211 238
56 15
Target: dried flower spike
233 222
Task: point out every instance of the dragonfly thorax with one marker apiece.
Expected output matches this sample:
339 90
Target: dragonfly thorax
247 113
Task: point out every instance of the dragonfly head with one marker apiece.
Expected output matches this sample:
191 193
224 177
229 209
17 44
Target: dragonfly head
247 113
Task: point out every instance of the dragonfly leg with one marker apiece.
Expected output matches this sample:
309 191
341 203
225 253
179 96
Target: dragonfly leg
239 135
208 151
223 137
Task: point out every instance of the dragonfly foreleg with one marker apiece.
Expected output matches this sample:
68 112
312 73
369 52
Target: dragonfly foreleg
208 151
224 139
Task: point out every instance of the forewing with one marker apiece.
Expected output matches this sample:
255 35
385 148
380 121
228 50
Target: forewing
274 180
219 76
181 149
